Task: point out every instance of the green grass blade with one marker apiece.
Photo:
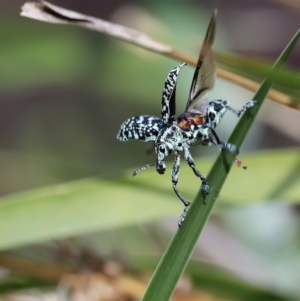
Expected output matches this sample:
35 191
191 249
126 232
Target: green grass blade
177 255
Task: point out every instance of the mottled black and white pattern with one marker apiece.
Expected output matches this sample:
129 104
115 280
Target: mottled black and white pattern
196 125
144 128
168 105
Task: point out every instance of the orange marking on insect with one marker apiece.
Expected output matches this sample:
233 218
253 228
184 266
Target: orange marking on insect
184 124
198 119
186 121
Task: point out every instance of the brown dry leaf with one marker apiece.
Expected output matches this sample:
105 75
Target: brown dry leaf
47 12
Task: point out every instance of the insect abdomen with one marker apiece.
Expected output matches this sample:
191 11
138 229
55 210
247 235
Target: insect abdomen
144 128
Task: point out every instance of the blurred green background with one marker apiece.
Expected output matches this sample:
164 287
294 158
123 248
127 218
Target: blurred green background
64 92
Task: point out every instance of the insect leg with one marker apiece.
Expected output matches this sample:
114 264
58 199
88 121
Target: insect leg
246 106
189 159
223 144
142 168
175 174
231 147
182 216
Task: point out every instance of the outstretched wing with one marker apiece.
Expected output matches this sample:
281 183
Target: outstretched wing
168 105
144 128
205 72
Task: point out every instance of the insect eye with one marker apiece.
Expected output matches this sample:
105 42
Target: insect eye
162 149
218 107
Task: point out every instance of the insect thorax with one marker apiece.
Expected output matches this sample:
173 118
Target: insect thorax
195 123
216 111
171 138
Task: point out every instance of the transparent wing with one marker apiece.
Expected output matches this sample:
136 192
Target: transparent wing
143 128
168 105
205 72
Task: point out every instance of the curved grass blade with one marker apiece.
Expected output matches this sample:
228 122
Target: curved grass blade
180 249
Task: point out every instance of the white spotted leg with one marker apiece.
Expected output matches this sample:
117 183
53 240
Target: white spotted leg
231 147
182 216
175 174
223 144
189 159
246 106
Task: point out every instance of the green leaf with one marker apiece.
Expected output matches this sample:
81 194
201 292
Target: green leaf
74 208
96 204
15 283
179 251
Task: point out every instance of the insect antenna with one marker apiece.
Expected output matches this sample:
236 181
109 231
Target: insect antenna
142 168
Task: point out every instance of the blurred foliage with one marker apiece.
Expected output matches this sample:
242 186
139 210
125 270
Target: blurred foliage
285 80
94 204
63 93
